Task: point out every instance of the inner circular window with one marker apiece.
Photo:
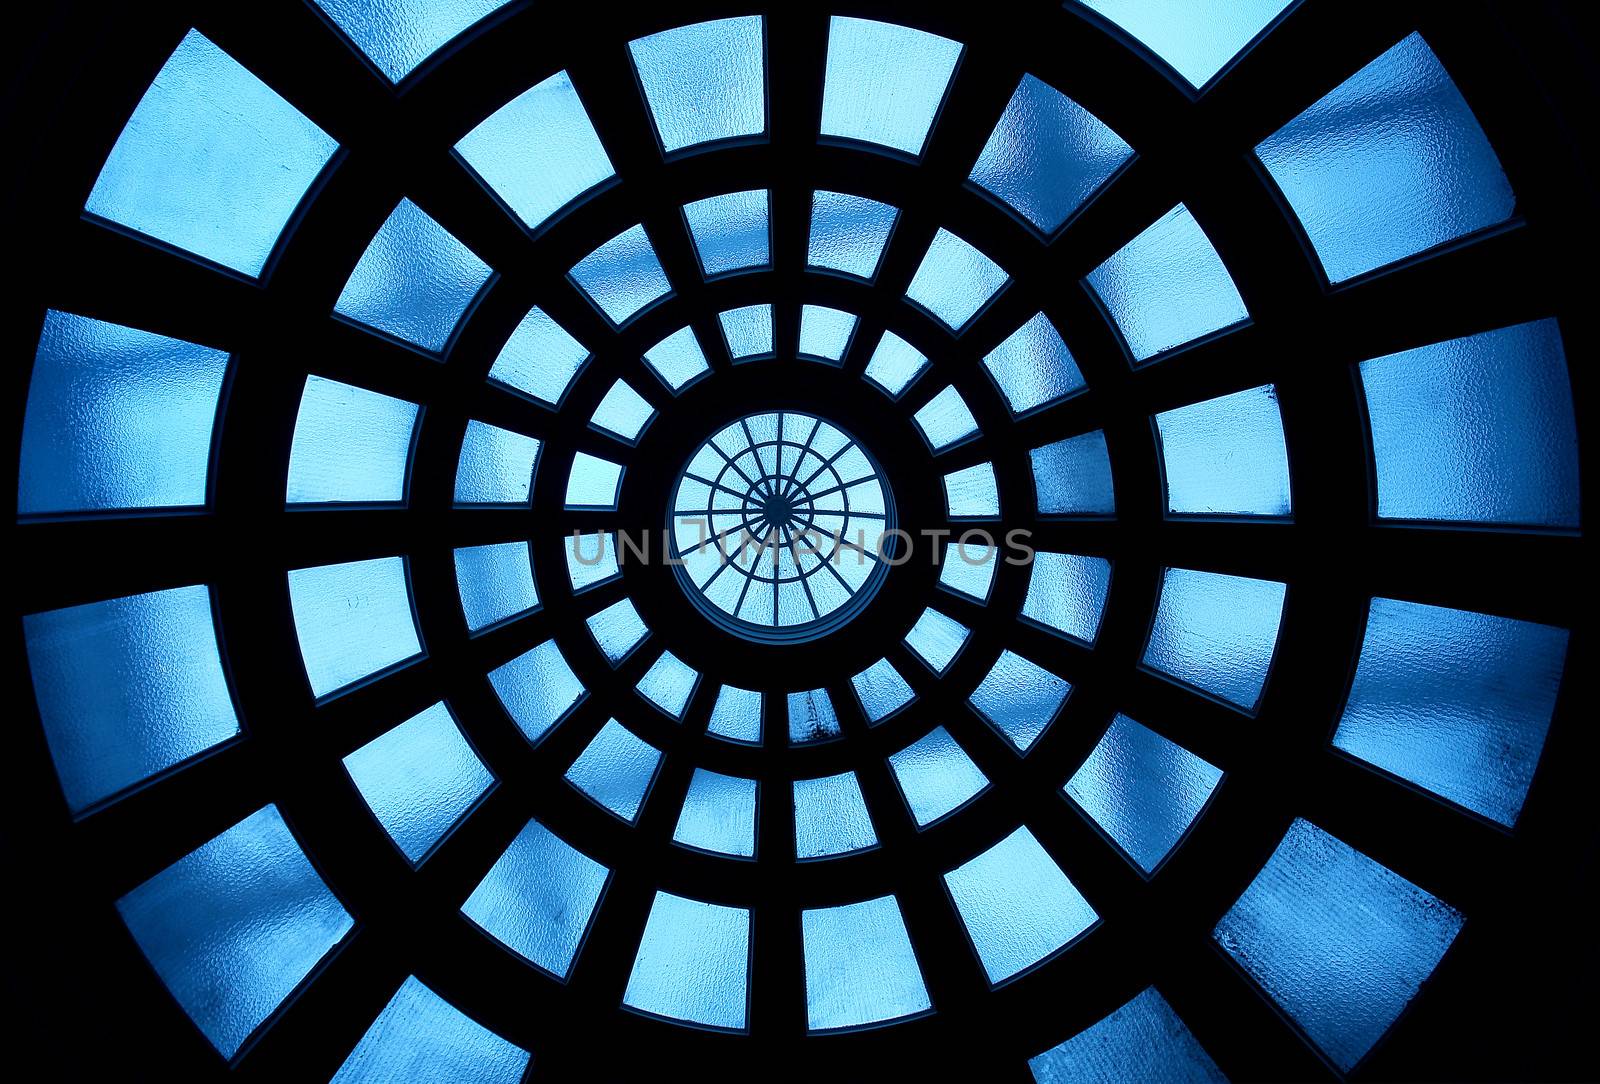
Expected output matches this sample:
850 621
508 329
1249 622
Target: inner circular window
778 526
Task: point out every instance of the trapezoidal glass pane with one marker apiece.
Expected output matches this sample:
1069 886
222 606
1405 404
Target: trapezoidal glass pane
747 331
824 332
668 684
1019 698
593 482
936 776
830 817
945 420
693 963
1072 477
352 620
719 815
1067 592
398 35
591 559
881 690
895 364
540 359
955 280
811 717
1197 37
496 465
623 412
677 359
885 82
730 231
618 629
421 1036
622 276
1143 1040
350 445
848 233
971 493
937 639
704 82
616 770
968 566
1033 367
495 583
537 689
859 966
1226 456
1217 633
736 715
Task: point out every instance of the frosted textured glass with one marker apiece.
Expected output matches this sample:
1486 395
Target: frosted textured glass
1197 37
421 1036
748 331
594 482
954 280
848 233
1047 155
496 583
538 898
1142 790
350 444
352 620
719 814
693 963
737 715
936 776
1167 287
212 160
1017 905
116 419
730 231
1072 477
677 359
811 717
234 926
945 419
415 281
539 359
968 569
830 817
859 965
824 332
398 35
591 559
1226 456
895 364
496 465
1033 366
1019 698
971 492
884 82
1143 1040
1067 592
1476 430
704 82
623 275
538 152
623 411
127 688
537 689
1216 632
1337 940
1456 702
937 639
881 690
668 684
419 779
616 770
618 629
1389 164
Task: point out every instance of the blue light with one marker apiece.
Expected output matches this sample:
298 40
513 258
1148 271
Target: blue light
1020 698
623 412
824 332
945 420
668 684
1033 367
848 233
495 583
594 482
1067 593
955 280
616 770
677 359
730 231
719 815
884 82
1143 1040
748 331
618 629
1197 37
496 465
881 690
830 817
705 82
1226 456
936 776
420 1034
398 35
895 364
937 639
352 620
860 968
1217 633
1072 477
693 963
540 359
736 715
622 276
350 445
537 689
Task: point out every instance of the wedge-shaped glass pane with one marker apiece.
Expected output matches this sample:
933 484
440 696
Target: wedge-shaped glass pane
127 688
945 420
1226 456
830 817
537 689
1143 1040
859 966
730 231
1017 905
1338 941
1427 172
881 690
704 82
848 233
594 482
116 419
1167 287
1142 790
234 926
1217 633
1072 477
824 332
419 779
748 331
719 814
1197 37
677 359
811 717
616 770
884 82
968 566
415 281
591 559
496 465
1033 367
398 35
538 152
1020 698
1453 701
971 492
1476 430
955 280
693 963
895 364
540 359
1067 592
623 412
618 629
668 684
496 583
538 898
737 715
350 444
623 275
352 620
1047 155
419 1035
936 776
937 639
212 160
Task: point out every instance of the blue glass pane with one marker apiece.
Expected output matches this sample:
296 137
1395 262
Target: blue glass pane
623 411
623 275
1067 592
968 565
881 690
538 897
594 482
616 770
945 419
1047 155
824 332
848 233
730 231
212 160
350 444
398 35
936 776
538 151
421 1036
1337 940
419 779
1142 790
859 966
971 492
1456 702
537 689
234 926
811 717
116 419
1197 37
884 82
937 639
1033 366
1017 905
719 814
1143 1040
748 331
540 358
737 715
1167 287
496 465
1226 455
693 962
1476 430
1216 632
677 359
169 700
591 559
668 684
954 280
704 82
830 817
1020 698
415 281
895 364
1072 477
496 583
618 629
352 620
1427 174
